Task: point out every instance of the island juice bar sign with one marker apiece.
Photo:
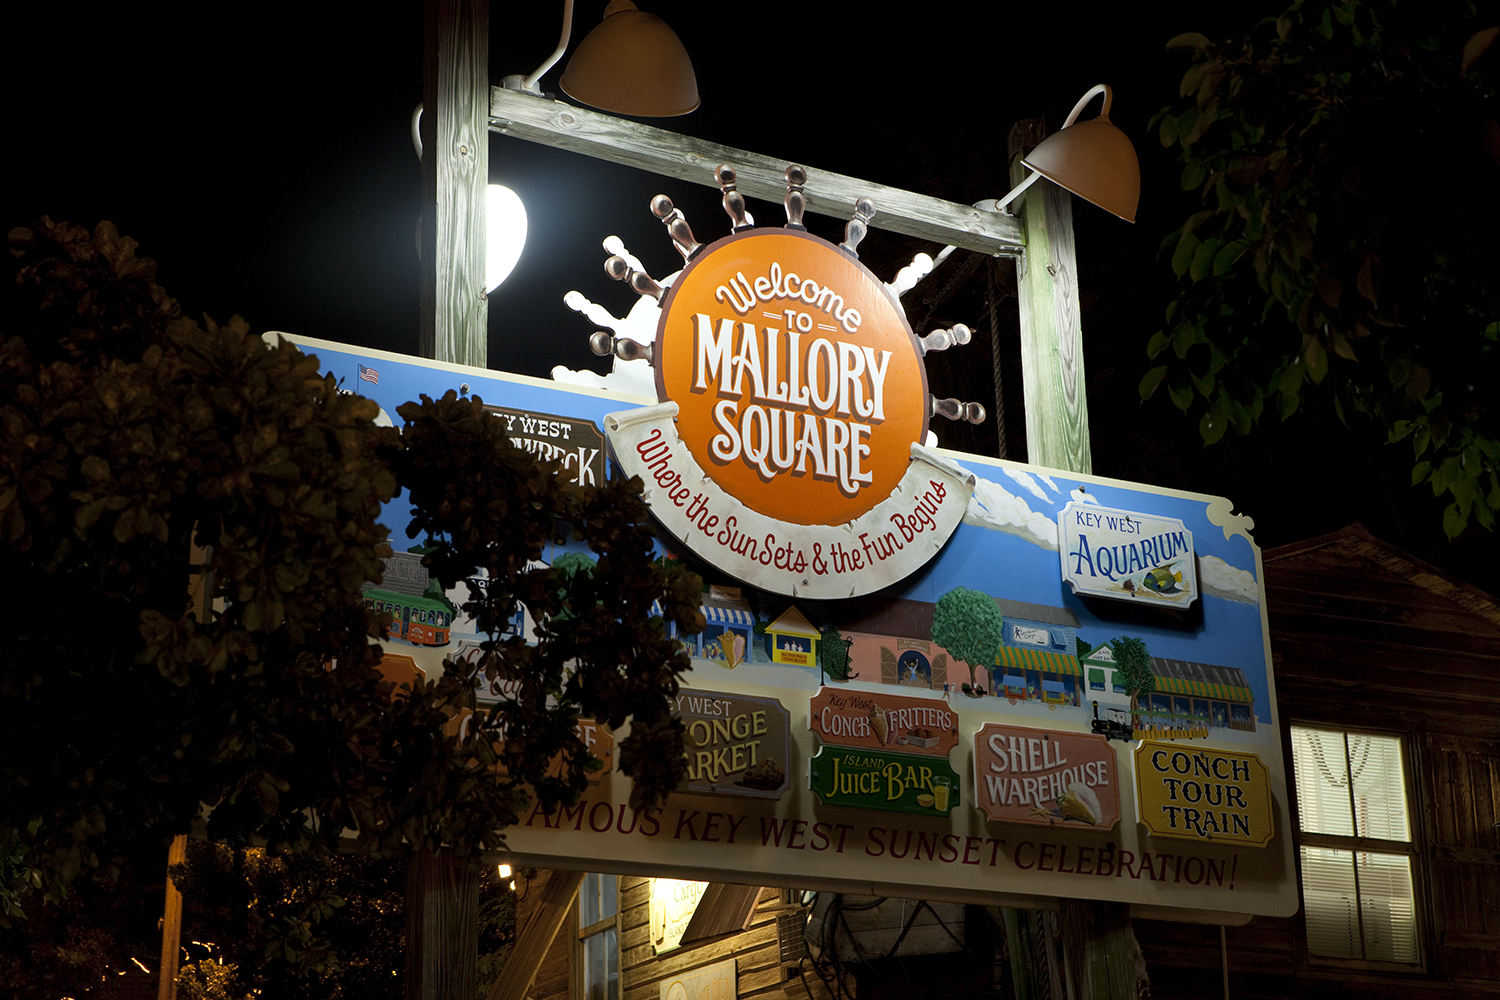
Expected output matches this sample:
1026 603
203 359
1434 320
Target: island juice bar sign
787 449
888 782
807 837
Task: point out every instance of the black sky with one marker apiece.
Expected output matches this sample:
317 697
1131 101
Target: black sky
263 157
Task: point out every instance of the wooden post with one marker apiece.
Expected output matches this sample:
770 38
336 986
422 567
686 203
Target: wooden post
534 939
455 172
442 927
171 925
1101 948
442 893
1057 413
1097 937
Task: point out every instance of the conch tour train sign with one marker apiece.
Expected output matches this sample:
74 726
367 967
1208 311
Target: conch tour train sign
787 449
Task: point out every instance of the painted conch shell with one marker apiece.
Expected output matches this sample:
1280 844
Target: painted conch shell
1080 802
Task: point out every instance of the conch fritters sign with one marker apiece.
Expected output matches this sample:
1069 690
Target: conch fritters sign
883 722
787 449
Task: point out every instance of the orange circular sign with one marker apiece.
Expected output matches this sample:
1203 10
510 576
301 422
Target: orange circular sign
799 385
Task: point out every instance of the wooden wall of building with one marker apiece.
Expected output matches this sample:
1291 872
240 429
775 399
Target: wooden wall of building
1365 637
760 972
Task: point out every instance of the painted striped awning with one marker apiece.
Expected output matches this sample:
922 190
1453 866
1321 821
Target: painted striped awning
1038 659
1203 689
727 616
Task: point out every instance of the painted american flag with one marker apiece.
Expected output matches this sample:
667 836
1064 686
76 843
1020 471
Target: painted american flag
369 375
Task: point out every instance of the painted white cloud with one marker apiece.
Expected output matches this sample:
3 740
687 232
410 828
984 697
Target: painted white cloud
1027 483
994 507
1217 577
1079 496
639 324
1048 480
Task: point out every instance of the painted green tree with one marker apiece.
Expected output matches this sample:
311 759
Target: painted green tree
969 625
1133 669
1318 269
142 451
833 653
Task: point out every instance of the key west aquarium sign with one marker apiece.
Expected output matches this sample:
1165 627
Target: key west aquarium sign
1126 555
787 449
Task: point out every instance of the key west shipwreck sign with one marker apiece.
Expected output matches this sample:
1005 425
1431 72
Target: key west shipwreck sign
921 669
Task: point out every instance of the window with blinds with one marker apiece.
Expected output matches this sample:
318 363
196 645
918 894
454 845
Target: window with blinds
1355 836
598 954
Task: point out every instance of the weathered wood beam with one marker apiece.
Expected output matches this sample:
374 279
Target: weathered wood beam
1057 411
547 916
632 144
171 925
455 173
442 927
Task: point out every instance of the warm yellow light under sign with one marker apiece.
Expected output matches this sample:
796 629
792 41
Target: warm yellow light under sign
673 902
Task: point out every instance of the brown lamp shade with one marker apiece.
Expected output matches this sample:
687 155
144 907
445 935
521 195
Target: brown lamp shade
632 64
1095 161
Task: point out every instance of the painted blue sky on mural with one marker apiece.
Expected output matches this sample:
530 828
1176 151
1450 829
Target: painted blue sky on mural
1007 545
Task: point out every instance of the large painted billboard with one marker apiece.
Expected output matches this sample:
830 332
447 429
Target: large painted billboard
986 637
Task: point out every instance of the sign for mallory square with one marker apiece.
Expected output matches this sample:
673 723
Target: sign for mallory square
978 660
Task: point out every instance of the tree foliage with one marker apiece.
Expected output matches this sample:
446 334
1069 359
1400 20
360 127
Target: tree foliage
1133 667
140 451
833 653
1346 159
293 925
969 625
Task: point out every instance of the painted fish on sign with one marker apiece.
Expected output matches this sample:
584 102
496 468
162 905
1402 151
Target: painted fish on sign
1126 555
890 782
1047 778
883 721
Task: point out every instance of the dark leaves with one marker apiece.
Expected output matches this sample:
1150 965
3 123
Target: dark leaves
1361 295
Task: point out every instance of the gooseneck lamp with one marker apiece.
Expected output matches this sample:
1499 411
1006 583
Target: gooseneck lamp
631 64
1093 159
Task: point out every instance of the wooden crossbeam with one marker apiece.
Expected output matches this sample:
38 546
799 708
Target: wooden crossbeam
579 130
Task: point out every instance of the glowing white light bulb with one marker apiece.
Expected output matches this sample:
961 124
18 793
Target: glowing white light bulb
506 222
505 871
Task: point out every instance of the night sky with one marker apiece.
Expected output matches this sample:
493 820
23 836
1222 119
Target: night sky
264 159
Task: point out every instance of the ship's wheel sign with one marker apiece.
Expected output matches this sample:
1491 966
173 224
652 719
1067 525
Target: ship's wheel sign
787 448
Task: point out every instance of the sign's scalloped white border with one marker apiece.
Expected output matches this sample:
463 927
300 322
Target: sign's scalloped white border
894 539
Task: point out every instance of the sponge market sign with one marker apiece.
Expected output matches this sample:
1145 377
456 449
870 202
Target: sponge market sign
787 449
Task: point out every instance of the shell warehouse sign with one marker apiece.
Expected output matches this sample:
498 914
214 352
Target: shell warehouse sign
787 449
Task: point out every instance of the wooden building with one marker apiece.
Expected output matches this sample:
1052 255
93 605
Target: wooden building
736 943
1386 685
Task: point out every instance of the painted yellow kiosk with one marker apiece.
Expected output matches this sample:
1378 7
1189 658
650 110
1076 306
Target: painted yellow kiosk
794 640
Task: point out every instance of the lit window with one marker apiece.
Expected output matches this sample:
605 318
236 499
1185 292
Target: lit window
1358 898
599 938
